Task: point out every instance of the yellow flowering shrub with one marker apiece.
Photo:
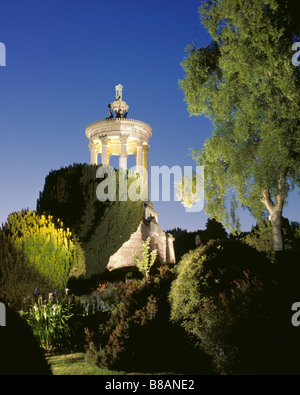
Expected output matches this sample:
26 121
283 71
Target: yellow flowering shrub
38 244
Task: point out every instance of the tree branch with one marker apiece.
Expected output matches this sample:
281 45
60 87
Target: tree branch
267 201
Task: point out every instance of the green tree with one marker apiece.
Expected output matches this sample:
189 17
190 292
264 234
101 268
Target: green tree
245 83
260 236
214 230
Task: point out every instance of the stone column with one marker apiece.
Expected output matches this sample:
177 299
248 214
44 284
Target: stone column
145 168
104 155
94 153
139 156
109 153
170 248
123 153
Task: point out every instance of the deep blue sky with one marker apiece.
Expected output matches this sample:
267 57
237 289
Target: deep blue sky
63 61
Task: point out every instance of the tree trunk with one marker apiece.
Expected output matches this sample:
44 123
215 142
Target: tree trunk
275 219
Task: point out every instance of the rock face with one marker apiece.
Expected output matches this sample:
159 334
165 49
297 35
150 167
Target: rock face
159 240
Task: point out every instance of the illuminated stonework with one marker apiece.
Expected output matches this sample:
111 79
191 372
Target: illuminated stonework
161 241
121 136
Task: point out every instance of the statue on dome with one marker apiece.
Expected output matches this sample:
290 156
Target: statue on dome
111 115
119 106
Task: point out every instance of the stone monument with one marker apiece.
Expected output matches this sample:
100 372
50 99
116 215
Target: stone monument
122 136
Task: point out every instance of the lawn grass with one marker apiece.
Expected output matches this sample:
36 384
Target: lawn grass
75 364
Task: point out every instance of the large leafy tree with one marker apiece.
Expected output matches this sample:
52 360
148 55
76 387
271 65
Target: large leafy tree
245 82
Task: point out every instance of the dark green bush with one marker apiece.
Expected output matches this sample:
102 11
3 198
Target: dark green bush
17 279
36 251
261 236
139 335
126 321
112 292
21 353
223 295
185 241
234 329
101 227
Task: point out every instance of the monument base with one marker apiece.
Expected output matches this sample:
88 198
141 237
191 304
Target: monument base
159 240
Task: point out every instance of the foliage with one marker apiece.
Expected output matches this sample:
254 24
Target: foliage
21 353
217 297
79 269
59 320
101 227
147 259
261 238
139 335
245 83
185 241
49 322
112 292
17 279
234 327
112 338
189 189
106 296
126 320
36 251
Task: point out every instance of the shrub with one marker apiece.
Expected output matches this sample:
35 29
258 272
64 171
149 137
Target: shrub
185 241
261 236
17 279
147 259
101 227
112 292
36 252
21 353
127 340
106 296
219 296
113 345
139 335
233 328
